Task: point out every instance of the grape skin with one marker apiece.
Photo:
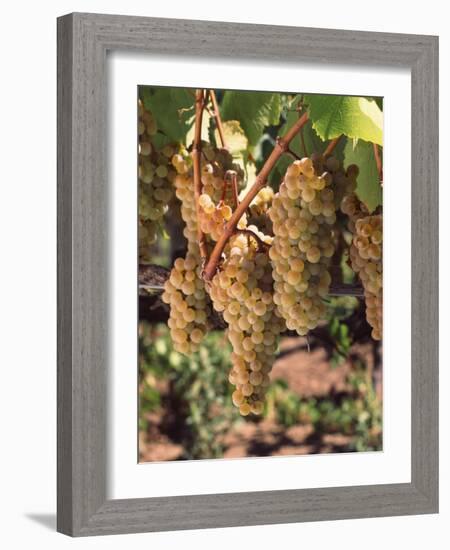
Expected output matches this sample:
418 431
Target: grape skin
155 182
215 205
185 292
242 291
366 250
303 214
366 259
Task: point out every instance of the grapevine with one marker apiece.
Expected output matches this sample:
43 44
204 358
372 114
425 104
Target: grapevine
263 260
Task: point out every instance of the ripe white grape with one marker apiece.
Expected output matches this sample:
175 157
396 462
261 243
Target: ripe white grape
242 291
190 305
216 202
155 181
184 291
303 213
366 253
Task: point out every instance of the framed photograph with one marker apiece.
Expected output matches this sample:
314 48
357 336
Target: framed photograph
247 274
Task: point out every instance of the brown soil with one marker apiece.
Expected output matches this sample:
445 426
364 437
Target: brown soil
308 374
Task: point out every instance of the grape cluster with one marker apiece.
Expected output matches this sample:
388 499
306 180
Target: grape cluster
217 197
366 250
242 291
212 217
184 190
303 213
354 209
184 290
155 181
366 253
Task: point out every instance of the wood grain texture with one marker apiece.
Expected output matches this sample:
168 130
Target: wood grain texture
424 277
83 199
64 328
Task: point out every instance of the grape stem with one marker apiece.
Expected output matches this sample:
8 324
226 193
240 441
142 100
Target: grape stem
281 147
231 178
300 106
331 146
293 154
376 152
234 188
217 117
224 189
261 244
196 157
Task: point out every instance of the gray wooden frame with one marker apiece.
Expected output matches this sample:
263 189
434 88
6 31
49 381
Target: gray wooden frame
83 41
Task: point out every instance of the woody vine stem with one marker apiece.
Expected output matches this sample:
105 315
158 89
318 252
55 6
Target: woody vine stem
281 147
196 160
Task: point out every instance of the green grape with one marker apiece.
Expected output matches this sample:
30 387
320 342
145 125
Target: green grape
303 213
366 260
242 290
155 182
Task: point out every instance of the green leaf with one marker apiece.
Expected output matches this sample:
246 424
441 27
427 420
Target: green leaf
159 140
234 136
355 117
313 143
172 108
379 102
368 189
254 111
206 121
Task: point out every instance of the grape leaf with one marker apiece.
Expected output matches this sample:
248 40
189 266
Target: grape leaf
313 143
204 134
368 189
355 117
254 111
379 102
172 108
234 136
159 140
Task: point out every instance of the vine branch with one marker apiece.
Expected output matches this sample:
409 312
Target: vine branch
232 176
301 135
196 158
331 146
376 152
281 147
217 117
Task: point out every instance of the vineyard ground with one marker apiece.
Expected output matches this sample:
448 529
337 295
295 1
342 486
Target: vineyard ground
308 374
